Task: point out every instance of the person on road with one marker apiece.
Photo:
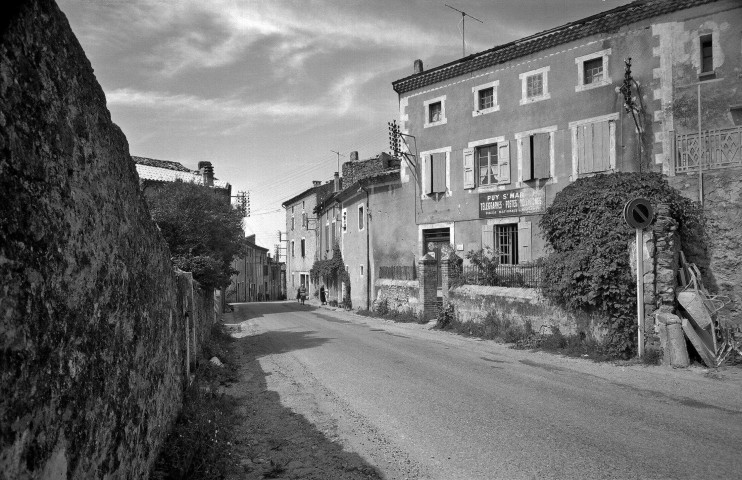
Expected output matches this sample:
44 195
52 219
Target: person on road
302 294
298 295
322 295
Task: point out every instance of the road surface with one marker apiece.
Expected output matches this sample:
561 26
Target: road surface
424 404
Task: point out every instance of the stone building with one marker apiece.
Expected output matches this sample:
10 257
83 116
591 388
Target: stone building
499 133
253 282
153 172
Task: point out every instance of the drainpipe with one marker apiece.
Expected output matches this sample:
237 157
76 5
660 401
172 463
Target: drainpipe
368 251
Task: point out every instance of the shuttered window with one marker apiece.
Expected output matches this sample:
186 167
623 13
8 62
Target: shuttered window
434 180
488 166
469 181
503 158
594 146
536 156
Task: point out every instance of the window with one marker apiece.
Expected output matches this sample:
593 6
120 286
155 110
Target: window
361 270
593 145
303 248
332 239
486 158
292 248
506 243
292 222
707 54
361 217
435 111
536 157
327 237
485 98
435 175
592 70
345 220
304 221
534 85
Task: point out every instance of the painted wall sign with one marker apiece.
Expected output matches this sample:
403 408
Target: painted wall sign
521 201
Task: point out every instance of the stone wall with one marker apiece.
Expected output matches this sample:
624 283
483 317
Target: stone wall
722 264
472 303
400 295
93 321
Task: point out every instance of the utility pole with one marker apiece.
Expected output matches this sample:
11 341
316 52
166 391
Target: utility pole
338 154
463 27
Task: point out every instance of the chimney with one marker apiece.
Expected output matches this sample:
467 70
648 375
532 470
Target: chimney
336 187
207 173
418 66
354 156
316 183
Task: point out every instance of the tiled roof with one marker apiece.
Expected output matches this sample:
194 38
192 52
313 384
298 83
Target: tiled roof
608 21
152 162
159 174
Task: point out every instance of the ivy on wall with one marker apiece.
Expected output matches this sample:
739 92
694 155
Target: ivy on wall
332 270
588 268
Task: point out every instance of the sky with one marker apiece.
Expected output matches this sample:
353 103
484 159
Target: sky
268 90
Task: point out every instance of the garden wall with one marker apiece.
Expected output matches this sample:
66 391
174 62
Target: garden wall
93 319
472 303
400 295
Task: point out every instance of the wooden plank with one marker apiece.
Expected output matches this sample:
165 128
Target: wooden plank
692 303
541 155
589 148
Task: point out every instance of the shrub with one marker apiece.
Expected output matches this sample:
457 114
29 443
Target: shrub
588 269
382 307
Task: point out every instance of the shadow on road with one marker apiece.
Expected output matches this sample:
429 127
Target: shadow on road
271 441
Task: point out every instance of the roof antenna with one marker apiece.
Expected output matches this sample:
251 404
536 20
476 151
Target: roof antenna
463 26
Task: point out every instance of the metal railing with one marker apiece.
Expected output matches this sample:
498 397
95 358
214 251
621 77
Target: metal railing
514 276
718 149
398 272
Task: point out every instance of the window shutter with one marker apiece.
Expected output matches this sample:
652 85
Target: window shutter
469 181
541 155
524 242
439 173
428 176
601 144
527 172
503 157
488 238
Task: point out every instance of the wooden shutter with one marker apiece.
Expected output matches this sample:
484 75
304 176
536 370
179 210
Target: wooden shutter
601 144
524 242
527 155
439 173
488 238
428 174
541 155
469 181
503 158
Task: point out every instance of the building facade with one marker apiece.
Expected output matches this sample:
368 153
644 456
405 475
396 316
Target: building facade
252 282
501 132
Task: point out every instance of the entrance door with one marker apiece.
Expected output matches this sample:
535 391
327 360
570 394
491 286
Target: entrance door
435 240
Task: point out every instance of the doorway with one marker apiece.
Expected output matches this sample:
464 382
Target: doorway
435 241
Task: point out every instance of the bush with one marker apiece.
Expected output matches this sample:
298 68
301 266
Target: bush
588 269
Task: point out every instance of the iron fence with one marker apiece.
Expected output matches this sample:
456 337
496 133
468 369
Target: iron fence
523 276
398 272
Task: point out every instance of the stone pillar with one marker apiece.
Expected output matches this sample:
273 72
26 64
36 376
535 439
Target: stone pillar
449 262
428 281
667 243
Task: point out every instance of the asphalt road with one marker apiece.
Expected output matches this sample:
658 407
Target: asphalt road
420 403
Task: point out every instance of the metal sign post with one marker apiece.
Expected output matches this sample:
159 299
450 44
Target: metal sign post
638 214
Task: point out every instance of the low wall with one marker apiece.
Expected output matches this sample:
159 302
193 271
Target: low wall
472 303
400 295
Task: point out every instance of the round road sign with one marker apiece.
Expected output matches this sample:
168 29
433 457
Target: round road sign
638 213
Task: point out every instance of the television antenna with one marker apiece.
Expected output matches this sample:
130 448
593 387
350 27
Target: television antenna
463 26
338 154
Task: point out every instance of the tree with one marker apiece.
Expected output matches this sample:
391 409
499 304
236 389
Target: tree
203 231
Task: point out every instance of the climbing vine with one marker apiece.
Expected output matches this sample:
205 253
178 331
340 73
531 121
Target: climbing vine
588 268
332 270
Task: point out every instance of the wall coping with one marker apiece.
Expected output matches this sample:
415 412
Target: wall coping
387 282
522 293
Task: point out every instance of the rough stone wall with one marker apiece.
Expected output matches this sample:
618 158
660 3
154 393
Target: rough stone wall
722 198
472 303
354 171
400 295
91 324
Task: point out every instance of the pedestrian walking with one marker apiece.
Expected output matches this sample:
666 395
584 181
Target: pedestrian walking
302 294
298 295
322 298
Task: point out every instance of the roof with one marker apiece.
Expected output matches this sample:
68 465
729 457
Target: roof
158 174
608 21
152 162
377 177
321 191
